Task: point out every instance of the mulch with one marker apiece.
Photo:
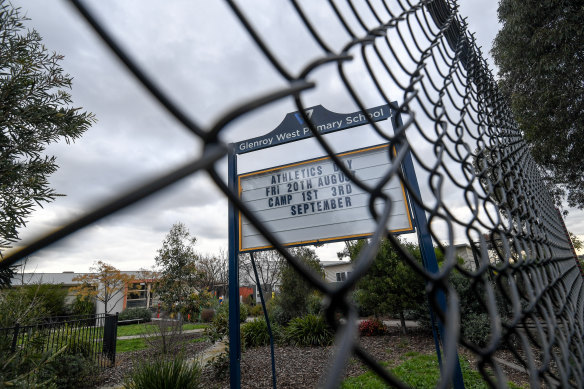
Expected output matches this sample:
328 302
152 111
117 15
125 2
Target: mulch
296 367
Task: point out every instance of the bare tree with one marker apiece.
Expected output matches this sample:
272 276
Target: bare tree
269 268
213 270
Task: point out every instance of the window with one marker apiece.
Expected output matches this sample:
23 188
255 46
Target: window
342 276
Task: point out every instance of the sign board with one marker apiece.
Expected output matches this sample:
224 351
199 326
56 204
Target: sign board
294 128
312 201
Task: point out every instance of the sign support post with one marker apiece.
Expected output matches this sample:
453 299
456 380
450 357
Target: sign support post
234 330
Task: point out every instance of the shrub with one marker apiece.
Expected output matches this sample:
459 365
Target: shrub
174 373
82 306
314 304
256 310
277 314
243 313
68 370
136 313
372 327
310 330
219 326
255 333
476 328
207 315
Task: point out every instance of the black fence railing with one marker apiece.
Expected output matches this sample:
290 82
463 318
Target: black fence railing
93 336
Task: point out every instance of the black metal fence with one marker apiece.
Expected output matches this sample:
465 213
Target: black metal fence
479 184
93 336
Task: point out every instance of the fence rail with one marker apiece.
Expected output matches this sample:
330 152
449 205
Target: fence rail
93 336
478 182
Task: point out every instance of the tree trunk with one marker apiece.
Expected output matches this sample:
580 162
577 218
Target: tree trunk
402 318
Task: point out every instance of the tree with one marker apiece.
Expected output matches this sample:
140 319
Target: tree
390 286
179 275
105 283
295 291
540 51
269 267
213 271
35 110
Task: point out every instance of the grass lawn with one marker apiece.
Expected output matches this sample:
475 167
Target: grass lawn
125 345
418 371
138 329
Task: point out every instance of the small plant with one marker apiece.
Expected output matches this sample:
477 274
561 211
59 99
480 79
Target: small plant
255 333
164 334
207 315
310 330
220 365
174 373
243 312
372 327
136 313
219 326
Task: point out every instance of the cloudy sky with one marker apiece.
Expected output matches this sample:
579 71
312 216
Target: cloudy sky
200 54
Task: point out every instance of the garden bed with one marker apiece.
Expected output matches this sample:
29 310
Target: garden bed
296 367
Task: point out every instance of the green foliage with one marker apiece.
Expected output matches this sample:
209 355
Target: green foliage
82 306
256 310
220 324
16 307
174 373
179 277
194 303
243 313
372 327
309 330
539 52
255 333
51 296
294 289
68 370
314 304
35 111
390 285
476 328
136 313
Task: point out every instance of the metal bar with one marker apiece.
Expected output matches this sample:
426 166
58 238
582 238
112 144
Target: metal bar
258 283
234 327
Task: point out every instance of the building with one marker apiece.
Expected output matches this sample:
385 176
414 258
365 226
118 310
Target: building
137 294
336 271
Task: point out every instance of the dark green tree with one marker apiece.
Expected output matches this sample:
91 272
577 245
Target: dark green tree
390 286
295 291
178 274
35 110
540 51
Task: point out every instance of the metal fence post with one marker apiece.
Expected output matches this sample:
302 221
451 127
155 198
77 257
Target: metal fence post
110 331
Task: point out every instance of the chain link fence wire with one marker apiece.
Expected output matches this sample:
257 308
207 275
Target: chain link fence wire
479 183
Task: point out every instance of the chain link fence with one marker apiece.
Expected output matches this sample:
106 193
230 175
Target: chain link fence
479 184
